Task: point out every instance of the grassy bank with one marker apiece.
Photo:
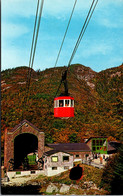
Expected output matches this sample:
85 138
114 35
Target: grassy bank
40 184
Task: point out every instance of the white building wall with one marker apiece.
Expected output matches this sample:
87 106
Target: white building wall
59 170
48 164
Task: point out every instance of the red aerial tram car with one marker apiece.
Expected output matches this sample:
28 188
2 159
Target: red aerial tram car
64 107
64 103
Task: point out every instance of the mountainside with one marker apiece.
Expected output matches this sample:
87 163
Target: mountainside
98 102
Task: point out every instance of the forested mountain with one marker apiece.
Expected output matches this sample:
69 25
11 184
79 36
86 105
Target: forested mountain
98 102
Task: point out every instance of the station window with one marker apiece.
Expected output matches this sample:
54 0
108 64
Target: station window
54 159
104 148
93 142
93 148
18 172
97 142
54 168
33 172
101 142
66 167
65 158
77 155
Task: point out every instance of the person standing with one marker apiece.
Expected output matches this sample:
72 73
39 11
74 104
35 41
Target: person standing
101 159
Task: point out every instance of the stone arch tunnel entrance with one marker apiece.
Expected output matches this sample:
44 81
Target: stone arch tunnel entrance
23 139
24 144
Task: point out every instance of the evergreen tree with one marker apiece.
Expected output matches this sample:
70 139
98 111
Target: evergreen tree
112 177
117 182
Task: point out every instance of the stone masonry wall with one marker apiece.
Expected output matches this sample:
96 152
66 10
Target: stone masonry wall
9 141
81 154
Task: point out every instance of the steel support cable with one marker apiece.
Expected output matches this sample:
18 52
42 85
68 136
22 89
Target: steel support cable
60 47
81 34
32 43
38 26
33 49
83 30
65 32
28 74
64 39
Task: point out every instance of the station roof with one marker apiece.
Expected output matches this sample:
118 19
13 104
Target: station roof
70 147
22 123
50 152
103 137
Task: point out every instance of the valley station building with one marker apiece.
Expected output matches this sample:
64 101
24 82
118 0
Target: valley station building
25 140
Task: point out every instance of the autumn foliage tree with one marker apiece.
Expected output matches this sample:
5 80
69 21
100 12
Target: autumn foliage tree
98 102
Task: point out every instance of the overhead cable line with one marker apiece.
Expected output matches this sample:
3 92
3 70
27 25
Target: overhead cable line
33 48
32 43
90 13
77 44
65 33
64 38
84 27
35 44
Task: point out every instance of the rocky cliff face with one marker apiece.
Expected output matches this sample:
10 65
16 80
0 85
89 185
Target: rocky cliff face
84 73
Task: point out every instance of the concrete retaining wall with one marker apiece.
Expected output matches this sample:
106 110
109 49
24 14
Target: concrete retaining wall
16 174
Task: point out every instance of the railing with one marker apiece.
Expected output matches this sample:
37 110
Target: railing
98 165
25 164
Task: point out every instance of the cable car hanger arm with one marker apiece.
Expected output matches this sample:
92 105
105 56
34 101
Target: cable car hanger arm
64 81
